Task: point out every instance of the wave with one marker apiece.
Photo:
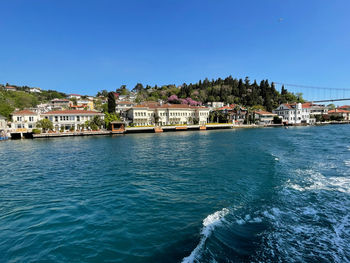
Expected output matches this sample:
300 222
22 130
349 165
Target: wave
209 224
319 231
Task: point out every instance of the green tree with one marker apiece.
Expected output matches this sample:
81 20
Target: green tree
45 124
111 102
109 117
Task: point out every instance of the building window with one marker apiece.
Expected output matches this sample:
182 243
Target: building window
31 118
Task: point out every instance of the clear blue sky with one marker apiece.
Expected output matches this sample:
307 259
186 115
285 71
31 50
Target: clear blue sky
86 46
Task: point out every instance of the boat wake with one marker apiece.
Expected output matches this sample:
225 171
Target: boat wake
209 224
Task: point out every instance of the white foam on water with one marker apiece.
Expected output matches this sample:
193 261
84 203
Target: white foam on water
209 224
317 181
291 222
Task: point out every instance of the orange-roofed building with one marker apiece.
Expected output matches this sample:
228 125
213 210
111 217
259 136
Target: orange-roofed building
343 114
264 117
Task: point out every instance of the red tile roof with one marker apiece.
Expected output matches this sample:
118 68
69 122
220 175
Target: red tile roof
338 111
72 112
344 107
124 102
226 108
60 100
156 105
24 112
261 112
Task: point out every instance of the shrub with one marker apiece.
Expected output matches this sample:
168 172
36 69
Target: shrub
36 131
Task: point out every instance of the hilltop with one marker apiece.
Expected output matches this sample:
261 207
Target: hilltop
21 98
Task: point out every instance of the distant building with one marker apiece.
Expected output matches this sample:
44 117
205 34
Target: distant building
35 90
60 102
10 88
122 106
215 104
76 96
167 114
70 119
24 120
86 104
129 97
264 117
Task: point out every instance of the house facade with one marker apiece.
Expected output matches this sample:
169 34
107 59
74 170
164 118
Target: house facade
343 114
24 120
264 117
70 119
3 124
122 106
294 113
167 114
236 113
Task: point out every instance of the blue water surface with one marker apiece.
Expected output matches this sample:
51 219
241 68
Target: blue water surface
246 195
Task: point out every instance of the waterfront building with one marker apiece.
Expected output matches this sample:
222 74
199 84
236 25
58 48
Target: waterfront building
236 113
167 114
3 124
70 119
315 109
344 114
24 120
264 117
294 113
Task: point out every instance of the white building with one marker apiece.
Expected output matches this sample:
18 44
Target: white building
167 114
215 104
24 120
295 113
70 119
3 124
35 90
76 96
121 106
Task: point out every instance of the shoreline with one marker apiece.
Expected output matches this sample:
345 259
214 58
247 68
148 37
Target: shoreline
161 129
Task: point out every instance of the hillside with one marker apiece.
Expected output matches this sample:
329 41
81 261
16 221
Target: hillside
10 100
228 90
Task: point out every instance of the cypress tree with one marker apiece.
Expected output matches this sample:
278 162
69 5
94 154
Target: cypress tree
111 102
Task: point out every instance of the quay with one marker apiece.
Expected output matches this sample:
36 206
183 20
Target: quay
121 129
148 129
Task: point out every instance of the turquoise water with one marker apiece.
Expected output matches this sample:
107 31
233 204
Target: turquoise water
255 195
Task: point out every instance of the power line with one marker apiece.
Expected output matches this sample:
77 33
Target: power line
309 87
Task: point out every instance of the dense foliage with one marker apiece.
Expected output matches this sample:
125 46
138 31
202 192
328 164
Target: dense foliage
228 90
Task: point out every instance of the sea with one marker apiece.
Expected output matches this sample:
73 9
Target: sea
238 195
